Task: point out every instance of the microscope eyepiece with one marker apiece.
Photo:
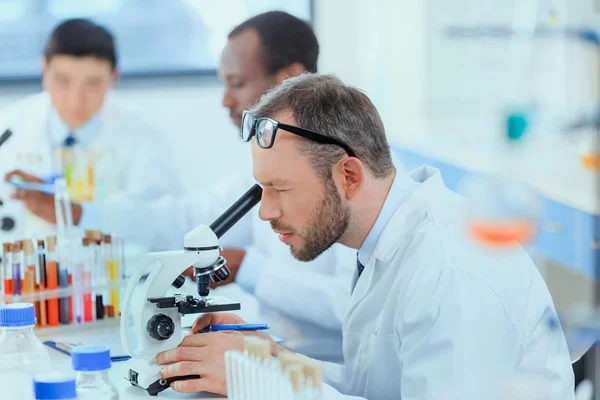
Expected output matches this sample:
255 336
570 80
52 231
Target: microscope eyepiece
237 211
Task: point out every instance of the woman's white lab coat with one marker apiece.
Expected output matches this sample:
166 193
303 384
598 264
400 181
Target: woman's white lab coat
435 317
134 163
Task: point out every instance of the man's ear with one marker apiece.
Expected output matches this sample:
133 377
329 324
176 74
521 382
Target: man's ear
116 75
352 174
290 71
44 66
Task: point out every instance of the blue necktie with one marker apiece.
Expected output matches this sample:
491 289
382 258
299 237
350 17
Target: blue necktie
70 140
359 266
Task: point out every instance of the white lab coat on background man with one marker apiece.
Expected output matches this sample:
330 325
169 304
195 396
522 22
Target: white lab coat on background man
429 301
131 160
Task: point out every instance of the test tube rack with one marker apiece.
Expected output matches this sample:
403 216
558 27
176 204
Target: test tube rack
105 316
255 375
72 283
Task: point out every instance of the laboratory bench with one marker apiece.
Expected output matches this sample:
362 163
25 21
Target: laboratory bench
299 336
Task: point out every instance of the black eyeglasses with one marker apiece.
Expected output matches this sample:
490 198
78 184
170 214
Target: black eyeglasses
265 130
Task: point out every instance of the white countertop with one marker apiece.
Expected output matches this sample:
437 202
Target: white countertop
301 337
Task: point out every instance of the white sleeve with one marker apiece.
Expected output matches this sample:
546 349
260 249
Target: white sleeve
161 223
333 378
149 173
330 393
457 348
315 292
333 375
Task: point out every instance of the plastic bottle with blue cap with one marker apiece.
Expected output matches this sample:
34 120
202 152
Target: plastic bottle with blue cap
54 386
92 363
22 354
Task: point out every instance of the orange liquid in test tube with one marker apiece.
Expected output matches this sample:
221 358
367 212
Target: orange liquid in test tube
52 281
7 269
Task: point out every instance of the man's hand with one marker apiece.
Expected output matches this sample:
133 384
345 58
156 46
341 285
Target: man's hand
200 354
234 259
204 354
40 204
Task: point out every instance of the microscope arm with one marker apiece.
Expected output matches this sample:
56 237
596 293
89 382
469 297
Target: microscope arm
201 249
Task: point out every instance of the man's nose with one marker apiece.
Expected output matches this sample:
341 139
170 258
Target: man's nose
268 209
75 98
228 100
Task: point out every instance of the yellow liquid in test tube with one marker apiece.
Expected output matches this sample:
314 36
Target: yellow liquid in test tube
113 276
90 177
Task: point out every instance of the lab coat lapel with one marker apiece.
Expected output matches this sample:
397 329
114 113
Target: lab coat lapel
360 287
403 222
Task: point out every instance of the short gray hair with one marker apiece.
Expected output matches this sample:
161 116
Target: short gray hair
324 104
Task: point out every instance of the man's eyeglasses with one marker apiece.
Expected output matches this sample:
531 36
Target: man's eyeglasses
265 130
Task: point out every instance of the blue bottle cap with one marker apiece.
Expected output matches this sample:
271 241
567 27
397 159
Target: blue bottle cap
90 358
17 314
54 387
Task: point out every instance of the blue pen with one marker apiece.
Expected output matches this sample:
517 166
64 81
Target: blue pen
235 327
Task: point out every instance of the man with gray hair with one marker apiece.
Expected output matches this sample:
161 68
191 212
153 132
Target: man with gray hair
431 315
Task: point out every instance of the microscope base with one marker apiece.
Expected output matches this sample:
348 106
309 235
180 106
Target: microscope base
146 376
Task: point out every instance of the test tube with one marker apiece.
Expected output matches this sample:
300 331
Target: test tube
90 176
73 253
120 255
41 282
112 266
86 280
7 267
16 268
29 268
63 262
98 272
67 160
52 280
2 269
76 280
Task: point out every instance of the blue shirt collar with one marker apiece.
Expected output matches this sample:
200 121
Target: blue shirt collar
401 187
83 134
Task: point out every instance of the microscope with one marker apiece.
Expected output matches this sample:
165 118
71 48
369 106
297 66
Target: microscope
157 318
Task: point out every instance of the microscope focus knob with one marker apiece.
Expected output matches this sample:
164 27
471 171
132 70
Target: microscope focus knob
160 327
7 224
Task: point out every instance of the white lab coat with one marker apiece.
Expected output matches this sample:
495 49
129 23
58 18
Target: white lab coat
315 292
135 161
434 316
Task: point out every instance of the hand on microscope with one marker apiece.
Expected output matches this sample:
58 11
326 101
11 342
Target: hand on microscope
40 204
234 259
204 354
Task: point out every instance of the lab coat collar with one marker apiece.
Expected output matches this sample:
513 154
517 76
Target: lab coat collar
401 187
425 199
58 129
410 213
